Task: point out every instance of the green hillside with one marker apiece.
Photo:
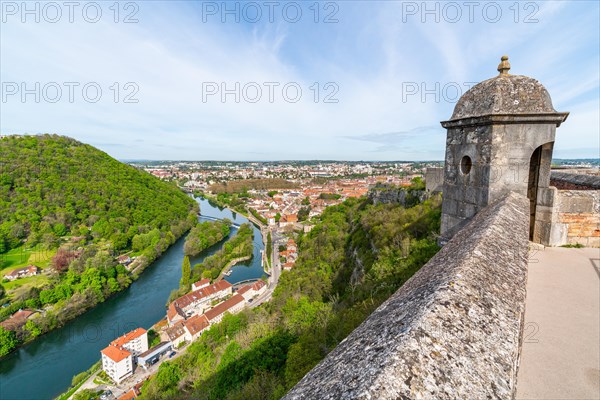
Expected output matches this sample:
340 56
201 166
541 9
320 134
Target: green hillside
52 186
71 209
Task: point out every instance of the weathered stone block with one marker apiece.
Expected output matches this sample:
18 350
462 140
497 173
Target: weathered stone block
558 235
570 203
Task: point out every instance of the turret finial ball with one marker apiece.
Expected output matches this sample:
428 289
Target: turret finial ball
504 65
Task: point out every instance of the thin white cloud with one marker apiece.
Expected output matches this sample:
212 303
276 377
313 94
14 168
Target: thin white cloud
370 54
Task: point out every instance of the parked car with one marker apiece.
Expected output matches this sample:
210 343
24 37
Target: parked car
172 354
107 395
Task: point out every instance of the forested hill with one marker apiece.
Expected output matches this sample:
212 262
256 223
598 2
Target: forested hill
89 223
52 186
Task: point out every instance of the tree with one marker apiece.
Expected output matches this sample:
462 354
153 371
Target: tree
86 394
3 245
60 229
417 183
305 201
50 241
277 217
34 330
120 241
303 213
269 247
61 260
8 341
168 375
186 271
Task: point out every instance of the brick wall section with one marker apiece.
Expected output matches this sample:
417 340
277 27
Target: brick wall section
451 332
579 212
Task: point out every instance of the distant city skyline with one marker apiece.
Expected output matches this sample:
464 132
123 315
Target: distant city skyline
375 80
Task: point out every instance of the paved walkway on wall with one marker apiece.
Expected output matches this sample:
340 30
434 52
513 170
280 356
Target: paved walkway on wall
561 343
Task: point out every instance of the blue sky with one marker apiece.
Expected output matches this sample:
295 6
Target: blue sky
394 70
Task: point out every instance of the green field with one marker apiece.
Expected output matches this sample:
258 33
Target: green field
22 257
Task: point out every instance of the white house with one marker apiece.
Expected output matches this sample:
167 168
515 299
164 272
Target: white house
117 363
119 356
136 341
24 272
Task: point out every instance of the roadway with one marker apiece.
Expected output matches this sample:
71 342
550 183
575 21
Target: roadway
275 274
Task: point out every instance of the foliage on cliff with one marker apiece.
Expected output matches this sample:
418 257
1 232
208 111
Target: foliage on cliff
353 260
204 235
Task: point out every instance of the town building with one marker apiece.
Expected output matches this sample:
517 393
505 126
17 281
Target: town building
233 305
24 272
288 220
16 320
194 327
176 333
119 356
124 260
289 256
252 290
151 356
202 283
198 301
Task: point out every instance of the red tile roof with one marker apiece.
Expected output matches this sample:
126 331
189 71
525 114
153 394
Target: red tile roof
117 354
115 350
128 337
223 307
171 311
258 285
197 295
196 324
175 331
202 283
244 289
16 320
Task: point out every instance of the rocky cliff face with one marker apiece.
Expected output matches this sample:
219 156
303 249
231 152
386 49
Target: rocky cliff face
387 194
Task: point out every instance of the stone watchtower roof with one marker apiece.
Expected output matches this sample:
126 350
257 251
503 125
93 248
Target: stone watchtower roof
504 94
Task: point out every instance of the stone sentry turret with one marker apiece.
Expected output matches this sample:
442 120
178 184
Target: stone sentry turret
500 139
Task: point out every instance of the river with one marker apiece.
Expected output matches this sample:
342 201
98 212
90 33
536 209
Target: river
44 368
